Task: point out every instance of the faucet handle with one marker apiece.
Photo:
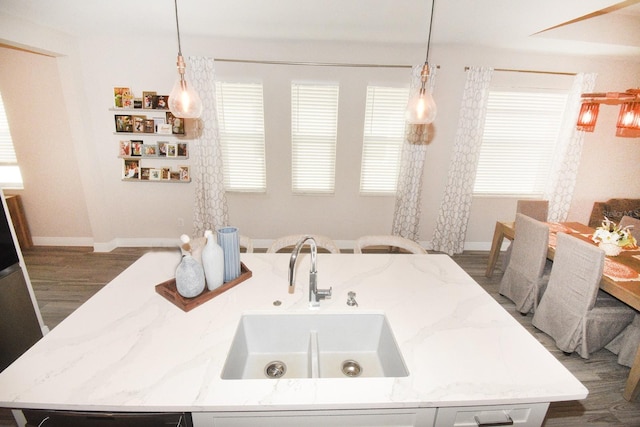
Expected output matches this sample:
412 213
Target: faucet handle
324 293
351 301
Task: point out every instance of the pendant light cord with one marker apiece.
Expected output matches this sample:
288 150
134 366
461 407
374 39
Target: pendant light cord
178 28
433 4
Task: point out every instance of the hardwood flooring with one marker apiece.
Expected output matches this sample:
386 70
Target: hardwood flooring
63 278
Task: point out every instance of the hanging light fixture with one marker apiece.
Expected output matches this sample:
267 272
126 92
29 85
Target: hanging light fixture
628 118
628 123
421 108
588 116
184 102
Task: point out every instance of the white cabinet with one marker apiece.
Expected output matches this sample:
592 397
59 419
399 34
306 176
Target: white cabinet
528 415
329 418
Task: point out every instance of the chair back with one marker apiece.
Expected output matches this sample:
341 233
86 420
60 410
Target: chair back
576 272
246 243
536 209
322 242
635 230
387 240
530 245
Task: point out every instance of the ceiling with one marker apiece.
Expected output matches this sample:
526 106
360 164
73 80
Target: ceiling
585 27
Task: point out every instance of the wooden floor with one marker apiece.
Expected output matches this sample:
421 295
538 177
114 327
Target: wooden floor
64 278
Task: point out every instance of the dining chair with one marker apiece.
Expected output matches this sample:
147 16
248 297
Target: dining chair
627 343
323 242
246 243
573 310
536 209
635 230
523 281
389 241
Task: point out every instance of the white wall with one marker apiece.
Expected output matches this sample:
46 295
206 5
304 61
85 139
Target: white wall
125 213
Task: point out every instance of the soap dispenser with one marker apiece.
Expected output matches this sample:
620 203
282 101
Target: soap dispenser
212 261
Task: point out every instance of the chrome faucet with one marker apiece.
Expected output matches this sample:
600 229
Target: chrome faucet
315 294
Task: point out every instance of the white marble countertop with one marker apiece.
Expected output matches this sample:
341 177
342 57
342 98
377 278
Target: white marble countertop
129 349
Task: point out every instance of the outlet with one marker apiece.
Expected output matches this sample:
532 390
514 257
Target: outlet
180 222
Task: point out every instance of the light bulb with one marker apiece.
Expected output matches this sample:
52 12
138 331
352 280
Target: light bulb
184 102
421 108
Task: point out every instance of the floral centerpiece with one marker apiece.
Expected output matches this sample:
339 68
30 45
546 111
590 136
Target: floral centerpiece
613 238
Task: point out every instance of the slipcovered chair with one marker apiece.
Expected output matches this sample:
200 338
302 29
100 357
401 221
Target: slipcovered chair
388 240
536 209
523 281
323 242
571 310
627 343
635 230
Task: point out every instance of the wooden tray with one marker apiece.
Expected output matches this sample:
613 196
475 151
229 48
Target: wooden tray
168 290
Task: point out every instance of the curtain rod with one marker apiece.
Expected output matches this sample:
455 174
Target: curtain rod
558 73
312 64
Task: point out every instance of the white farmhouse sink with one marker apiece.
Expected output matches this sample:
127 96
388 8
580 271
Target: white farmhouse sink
313 346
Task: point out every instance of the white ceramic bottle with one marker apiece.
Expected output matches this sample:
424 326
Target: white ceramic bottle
212 261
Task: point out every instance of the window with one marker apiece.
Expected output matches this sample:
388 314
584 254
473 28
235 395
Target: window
241 126
10 176
314 128
384 124
520 134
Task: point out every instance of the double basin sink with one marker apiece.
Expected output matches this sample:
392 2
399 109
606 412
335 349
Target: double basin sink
314 345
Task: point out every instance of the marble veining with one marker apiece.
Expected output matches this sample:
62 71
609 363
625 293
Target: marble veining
128 348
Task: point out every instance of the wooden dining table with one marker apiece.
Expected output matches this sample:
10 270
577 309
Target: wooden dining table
625 289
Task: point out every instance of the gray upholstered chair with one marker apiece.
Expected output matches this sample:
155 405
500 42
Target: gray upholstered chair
323 242
536 209
635 230
389 241
523 281
571 310
627 343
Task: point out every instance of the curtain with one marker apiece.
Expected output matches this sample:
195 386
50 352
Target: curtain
210 205
564 170
406 215
451 224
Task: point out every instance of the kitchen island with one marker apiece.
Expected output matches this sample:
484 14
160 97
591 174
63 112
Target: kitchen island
129 349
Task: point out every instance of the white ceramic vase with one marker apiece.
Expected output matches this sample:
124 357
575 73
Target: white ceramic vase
212 261
610 249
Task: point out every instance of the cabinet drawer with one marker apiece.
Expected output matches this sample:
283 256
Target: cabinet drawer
529 415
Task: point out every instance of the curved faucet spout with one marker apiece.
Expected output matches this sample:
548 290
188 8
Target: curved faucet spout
315 294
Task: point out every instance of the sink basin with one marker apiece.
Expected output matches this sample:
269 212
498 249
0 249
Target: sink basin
313 346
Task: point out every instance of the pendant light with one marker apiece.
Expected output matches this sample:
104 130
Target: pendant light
421 108
184 102
588 116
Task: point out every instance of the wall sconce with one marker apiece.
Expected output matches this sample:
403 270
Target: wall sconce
628 124
588 116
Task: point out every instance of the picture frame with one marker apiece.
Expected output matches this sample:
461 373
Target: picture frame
138 124
124 123
136 148
161 102
183 150
174 175
155 174
162 148
164 129
150 150
147 99
125 149
177 124
184 173
157 121
137 103
119 95
130 169
172 149
145 173
149 126
166 173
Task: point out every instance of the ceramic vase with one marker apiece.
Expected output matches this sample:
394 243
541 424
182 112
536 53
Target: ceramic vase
229 240
189 277
610 249
212 262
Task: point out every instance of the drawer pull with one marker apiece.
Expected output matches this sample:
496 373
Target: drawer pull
493 419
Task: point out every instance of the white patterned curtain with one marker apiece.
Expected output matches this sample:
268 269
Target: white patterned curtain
210 206
406 215
453 216
562 180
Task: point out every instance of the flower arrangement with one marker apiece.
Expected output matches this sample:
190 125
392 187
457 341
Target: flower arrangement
612 233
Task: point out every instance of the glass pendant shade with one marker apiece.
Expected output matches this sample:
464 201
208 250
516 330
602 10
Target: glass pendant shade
588 116
184 102
421 108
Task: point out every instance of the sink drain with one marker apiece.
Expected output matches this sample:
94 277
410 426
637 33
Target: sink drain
275 369
351 368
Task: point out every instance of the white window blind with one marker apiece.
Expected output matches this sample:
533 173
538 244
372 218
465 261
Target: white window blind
241 126
384 124
314 128
10 176
520 135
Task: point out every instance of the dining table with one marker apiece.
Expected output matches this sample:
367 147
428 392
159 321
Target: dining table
620 278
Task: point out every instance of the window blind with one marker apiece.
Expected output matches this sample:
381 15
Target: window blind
314 128
384 126
10 176
241 127
520 135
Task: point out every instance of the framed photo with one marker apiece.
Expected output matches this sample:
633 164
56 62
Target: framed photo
137 103
177 124
183 150
147 100
162 148
184 173
157 121
166 173
174 175
125 149
149 126
155 174
161 102
136 148
150 150
145 173
172 149
124 123
131 169
164 129
119 95
138 124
